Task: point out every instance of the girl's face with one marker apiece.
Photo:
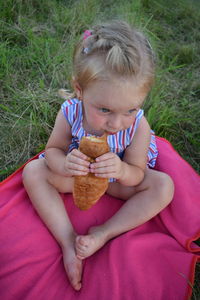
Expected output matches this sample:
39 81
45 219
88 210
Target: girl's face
110 106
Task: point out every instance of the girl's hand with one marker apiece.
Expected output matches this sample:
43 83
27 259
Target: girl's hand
108 165
76 163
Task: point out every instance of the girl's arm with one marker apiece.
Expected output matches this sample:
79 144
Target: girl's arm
129 171
135 157
57 145
74 163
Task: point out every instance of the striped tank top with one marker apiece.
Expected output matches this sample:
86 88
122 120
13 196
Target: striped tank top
73 112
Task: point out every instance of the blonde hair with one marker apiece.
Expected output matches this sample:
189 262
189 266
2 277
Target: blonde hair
114 49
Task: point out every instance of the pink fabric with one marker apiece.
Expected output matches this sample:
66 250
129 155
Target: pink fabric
86 34
154 261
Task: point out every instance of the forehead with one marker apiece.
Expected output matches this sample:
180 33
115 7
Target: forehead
117 94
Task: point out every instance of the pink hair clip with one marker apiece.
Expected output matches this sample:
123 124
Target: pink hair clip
86 34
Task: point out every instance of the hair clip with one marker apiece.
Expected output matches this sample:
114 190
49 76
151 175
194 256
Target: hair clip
86 34
86 50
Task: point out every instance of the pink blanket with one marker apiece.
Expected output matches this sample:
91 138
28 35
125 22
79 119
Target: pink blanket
154 261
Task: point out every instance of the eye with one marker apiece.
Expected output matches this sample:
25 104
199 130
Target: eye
132 110
104 110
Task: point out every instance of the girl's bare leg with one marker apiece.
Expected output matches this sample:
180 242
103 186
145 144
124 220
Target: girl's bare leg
144 202
42 187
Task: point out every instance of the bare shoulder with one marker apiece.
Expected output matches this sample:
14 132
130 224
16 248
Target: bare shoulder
136 153
61 134
143 128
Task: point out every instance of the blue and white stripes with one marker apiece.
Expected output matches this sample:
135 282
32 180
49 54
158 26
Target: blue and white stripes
153 151
72 110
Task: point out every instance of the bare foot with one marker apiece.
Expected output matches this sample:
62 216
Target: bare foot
86 245
73 267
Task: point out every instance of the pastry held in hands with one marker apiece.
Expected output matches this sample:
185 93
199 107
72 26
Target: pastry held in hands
89 188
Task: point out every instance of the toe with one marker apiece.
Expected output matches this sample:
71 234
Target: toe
80 253
76 285
81 247
81 241
80 256
75 279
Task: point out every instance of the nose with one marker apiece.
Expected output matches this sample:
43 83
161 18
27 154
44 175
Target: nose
114 122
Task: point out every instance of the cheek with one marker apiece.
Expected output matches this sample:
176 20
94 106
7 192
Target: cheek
94 118
128 121
97 118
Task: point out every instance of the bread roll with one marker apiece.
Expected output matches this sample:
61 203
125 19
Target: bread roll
89 188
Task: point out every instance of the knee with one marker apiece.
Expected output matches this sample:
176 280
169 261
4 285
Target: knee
32 173
164 186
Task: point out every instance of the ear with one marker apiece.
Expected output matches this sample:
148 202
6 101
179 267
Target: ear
77 88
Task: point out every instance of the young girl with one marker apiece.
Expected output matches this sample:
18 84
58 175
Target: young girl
113 73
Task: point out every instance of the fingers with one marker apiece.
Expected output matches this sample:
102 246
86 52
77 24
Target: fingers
105 172
107 166
106 156
77 163
78 154
76 170
102 167
75 160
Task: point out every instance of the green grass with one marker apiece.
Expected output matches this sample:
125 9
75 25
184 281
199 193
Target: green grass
37 39
36 45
